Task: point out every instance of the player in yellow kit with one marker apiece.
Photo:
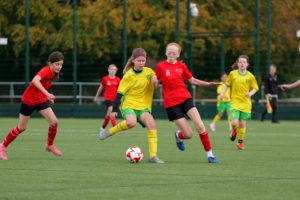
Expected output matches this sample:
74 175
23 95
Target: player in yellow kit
223 105
134 97
243 86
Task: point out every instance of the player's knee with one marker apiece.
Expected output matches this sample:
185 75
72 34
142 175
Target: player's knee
131 124
22 128
53 123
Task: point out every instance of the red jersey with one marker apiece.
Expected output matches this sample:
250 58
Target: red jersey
32 95
172 77
110 87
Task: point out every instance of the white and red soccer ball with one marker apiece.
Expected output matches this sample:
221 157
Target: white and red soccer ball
134 154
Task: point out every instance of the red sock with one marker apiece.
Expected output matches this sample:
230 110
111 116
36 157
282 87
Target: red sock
180 135
51 134
113 122
205 140
11 136
106 120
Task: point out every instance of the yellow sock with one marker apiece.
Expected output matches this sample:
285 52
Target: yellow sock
216 119
152 141
122 126
241 134
235 127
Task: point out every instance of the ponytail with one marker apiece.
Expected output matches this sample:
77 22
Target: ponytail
128 65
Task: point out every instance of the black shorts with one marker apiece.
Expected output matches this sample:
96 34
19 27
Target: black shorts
109 103
28 110
180 110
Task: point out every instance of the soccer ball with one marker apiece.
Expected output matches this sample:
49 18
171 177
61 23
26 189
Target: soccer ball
134 154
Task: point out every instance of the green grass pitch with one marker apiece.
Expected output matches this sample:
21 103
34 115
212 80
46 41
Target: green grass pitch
269 167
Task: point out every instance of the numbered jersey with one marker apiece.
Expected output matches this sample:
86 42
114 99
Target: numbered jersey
172 77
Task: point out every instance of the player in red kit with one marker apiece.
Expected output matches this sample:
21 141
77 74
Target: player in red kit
36 98
178 101
110 85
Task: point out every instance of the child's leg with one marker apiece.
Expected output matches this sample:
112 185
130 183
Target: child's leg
147 119
241 131
203 134
129 122
13 134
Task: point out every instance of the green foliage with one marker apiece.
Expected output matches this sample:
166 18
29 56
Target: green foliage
150 25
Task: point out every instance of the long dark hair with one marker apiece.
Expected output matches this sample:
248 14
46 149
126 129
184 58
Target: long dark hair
55 57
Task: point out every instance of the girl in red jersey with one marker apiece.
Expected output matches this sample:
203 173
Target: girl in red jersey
178 101
110 85
36 97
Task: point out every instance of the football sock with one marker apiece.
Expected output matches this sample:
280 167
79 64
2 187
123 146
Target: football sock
241 134
11 136
113 122
209 154
152 141
216 119
204 137
105 122
180 135
52 130
122 126
234 127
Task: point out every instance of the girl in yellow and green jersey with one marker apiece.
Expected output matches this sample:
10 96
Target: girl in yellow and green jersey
134 97
243 86
223 105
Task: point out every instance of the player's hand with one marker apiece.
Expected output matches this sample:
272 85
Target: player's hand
248 94
284 87
213 84
50 97
113 115
96 99
154 81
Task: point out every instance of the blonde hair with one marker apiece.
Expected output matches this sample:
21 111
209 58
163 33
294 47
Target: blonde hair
112 65
135 53
174 44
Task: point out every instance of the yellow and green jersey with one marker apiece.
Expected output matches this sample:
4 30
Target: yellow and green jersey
226 95
240 85
137 89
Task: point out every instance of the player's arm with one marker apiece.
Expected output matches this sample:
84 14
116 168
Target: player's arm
36 81
290 86
222 94
198 82
116 105
98 93
251 93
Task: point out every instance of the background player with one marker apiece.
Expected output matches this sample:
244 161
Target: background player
110 85
271 92
36 98
136 93
178 101
223 105
243 86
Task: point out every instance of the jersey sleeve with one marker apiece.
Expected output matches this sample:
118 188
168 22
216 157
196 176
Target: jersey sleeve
43 72
158 72
253 83
103 81
124 85
186 74
229 80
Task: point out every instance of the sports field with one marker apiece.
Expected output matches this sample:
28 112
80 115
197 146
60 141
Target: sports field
269 167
